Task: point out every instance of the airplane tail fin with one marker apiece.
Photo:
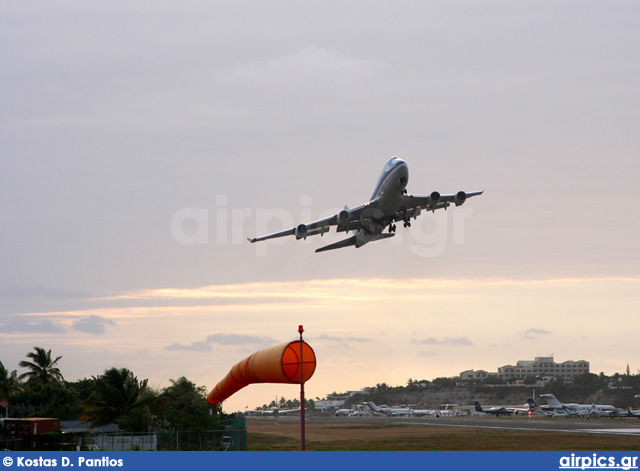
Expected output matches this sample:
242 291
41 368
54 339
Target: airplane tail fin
552 401
532 403
372 405
478 407
338 245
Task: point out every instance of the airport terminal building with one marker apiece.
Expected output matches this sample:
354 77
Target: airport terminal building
540 366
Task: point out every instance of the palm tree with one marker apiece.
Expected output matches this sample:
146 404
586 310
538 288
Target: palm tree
42 369
118 397
8 382
8 385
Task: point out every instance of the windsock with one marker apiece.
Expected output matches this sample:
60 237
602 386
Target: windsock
279 364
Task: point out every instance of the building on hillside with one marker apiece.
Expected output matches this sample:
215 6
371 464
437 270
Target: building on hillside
540 366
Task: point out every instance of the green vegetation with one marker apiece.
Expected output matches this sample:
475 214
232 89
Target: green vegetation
181 407
116 396
42 369
284 403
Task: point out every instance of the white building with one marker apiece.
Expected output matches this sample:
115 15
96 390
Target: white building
540 366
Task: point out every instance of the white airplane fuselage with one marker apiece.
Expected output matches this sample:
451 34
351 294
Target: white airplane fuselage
386 200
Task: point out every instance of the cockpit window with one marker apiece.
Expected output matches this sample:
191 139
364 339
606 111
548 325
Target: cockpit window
393 162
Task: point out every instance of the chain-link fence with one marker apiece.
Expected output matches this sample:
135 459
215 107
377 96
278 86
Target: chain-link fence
209 440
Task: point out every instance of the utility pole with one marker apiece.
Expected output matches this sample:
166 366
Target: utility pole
302 427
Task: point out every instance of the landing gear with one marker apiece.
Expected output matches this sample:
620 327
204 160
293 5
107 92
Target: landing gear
392 227
407 224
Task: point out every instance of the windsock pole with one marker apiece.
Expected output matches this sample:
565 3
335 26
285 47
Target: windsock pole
302 428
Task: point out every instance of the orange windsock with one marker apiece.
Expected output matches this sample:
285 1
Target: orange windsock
279 364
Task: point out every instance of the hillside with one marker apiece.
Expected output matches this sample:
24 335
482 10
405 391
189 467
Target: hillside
617 390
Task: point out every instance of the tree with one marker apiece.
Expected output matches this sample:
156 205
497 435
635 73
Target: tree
118 397
8 382
183 406
42 369
46 400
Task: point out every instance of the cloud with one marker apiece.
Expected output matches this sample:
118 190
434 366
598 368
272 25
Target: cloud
240 339
194 347
224 340
92 324
533 334
31 327
331 338
339 342
447 341
21 292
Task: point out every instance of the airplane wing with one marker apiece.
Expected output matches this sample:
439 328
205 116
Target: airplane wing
414 203
345 220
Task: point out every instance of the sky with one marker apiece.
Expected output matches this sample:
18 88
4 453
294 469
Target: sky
141 143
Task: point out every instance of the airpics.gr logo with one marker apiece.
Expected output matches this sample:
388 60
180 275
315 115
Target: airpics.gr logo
598 462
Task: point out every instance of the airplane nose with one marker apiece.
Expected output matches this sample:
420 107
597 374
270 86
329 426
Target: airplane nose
403 176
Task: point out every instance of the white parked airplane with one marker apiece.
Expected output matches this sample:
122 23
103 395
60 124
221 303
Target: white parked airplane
345 412
394 411
389 204
355 411
271 411
598 410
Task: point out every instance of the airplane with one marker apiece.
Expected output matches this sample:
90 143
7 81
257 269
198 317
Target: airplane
534 408
504 410
360 410
394 411
422 412
633 413
355 411
494 410
620 412
581 409
344 412
446 410
388 204
275 411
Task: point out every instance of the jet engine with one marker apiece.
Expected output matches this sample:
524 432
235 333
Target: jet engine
343 217
460 198
434 199
301 232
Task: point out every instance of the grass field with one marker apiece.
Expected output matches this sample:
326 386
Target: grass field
385 437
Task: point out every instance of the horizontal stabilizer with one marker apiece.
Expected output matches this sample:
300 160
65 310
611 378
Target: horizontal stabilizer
338 245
